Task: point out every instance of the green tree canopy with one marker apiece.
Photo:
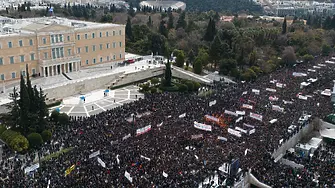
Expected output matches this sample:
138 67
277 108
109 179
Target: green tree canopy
35 140
180 59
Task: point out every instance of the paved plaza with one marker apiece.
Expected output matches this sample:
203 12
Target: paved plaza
96 102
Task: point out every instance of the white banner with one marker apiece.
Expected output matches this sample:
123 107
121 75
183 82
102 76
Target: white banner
31 168
256 91
197 136
256 116
247 106
222 138
159 125
147 158
311 70
330 62
244 93
127 175
211 118
126 137
94 154
242 113
273 121
241 130
239 119
287 102
252 131
212 103
269 89
230 113
182 115
302 97
234 132
281 141
299 74
165 174
101 162
280 85
326 92
202 126
247 125
143 130
277 108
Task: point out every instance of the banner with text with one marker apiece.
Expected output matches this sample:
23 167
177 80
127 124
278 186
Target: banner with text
234 132
143 130
247 106
230 113
202 126
256 116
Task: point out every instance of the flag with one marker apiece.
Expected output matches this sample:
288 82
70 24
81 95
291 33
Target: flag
69 170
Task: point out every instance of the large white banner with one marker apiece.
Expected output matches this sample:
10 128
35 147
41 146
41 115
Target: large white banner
241 130
270 89
202 126
256 116
101 162
127 175
234 132
31 168
230 113
311 70
330 62
94 154
247 106
143 130
277 108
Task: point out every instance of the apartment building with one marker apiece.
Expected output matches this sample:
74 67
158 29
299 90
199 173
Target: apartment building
53 45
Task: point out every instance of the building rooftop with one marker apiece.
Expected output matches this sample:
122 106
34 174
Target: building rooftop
10 26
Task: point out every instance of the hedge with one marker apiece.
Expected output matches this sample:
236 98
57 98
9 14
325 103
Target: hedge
15 140
2 129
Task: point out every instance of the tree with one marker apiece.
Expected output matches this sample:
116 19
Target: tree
2 129
129 33
249 75
24 107
167 74
131 10
46 135
191 56
327 24
154 81
162 29
181 23
35 140
170 21
288 56
197 66
43 111
326 49
284 26
15 140
227 65
54 116
215 50
149 23
63 119
180 59
210 31
14 109
203 57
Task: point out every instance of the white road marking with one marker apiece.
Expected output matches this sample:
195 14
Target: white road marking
100 107
88 115
70 110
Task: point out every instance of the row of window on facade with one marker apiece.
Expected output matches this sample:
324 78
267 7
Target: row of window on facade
15 75
94 60
59 38
22 59
100 47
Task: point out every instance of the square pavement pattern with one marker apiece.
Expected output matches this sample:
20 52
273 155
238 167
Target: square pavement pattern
96 102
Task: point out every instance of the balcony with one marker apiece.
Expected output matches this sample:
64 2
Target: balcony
58 61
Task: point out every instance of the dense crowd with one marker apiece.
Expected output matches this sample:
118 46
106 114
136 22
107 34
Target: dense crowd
173 153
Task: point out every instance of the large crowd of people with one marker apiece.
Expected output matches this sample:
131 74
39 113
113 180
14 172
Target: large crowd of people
172 152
